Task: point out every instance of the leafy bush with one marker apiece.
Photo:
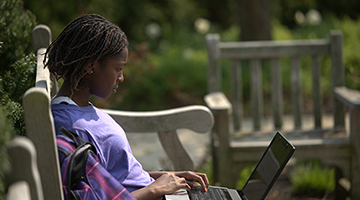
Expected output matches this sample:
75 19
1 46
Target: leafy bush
15 30
17 70
16 74
351 57
5 136
312 178
13 84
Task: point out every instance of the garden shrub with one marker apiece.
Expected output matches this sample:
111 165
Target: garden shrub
312 178
13 85
5 136
17 69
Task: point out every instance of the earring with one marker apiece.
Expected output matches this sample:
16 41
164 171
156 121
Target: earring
91 72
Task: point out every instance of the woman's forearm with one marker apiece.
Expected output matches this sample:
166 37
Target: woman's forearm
146 193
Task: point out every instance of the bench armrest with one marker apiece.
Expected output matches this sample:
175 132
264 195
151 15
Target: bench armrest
165 123
349 97
217 102
166 120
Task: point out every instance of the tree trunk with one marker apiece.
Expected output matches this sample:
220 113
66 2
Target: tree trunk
254 20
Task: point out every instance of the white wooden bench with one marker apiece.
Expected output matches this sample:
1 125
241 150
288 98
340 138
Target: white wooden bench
40 125
24 178
233 148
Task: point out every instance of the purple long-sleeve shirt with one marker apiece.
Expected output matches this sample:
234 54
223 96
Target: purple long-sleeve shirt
109 139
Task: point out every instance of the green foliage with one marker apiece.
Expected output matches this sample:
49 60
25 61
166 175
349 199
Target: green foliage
135 15
5 136
158 74
284 10
17 70
164 74
131 16
351 59
13 84
244 176
172 72
19 78
15 30
206 168
173 77
313 179
56 14
351 56
16 74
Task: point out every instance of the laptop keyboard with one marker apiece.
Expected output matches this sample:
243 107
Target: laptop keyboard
211 194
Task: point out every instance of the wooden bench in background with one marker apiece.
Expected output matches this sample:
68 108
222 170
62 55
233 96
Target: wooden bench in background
233 148
40 124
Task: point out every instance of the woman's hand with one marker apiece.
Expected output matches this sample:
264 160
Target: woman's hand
193 177
167 183
190 176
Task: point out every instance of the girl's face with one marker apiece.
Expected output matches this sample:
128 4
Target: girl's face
107 74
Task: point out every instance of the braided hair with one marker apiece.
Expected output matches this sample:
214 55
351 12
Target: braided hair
88 38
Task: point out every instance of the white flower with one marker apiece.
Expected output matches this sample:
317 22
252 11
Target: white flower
299 18
202 25
313 17
153 30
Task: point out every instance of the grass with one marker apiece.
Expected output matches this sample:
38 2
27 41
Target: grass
312 178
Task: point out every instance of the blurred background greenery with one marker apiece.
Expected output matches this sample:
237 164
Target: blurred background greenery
167 65
167 60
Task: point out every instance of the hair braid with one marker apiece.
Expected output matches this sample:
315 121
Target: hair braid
86 39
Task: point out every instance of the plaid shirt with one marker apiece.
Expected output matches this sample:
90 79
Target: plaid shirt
102 185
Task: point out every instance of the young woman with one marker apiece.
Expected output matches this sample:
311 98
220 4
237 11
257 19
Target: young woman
90 55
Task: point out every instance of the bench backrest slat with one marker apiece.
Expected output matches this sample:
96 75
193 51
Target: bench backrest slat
296 92
39 121
42 74
316 90
277 93
272 49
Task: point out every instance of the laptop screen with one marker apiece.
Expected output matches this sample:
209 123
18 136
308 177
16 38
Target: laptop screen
269 168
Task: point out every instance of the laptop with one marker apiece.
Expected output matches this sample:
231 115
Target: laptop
262 178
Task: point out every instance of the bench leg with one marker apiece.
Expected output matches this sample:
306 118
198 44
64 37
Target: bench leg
342 185
355 140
